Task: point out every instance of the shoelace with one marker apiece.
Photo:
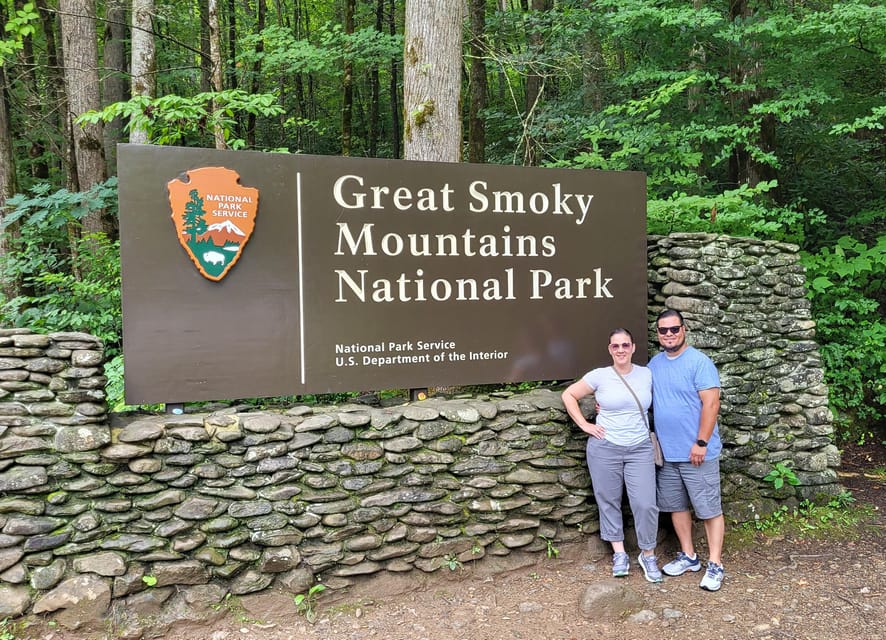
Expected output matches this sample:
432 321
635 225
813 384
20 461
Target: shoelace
649 562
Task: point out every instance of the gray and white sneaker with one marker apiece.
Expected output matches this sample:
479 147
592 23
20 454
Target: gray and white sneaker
713 577
621 564
681 564
649 564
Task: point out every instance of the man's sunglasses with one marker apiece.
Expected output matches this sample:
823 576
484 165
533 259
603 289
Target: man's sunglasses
674 330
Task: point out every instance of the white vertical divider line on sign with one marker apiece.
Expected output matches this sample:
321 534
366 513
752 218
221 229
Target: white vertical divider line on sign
301 284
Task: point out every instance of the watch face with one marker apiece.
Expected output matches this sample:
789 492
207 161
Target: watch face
701 443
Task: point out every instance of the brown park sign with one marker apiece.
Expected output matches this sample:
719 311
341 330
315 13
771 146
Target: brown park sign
367 274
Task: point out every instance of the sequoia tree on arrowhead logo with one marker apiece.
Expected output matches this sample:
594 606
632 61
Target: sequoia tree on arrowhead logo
214 217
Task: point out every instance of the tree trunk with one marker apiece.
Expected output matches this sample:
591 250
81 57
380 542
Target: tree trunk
432 80
394 86
535 83
300 30
205 54
304 82
80 46
216 62
593 68
7 159
63 154
347 85
8 186
230 70
262 9
115 85
144 60
742 166
33 101
232 44
478 83
375 87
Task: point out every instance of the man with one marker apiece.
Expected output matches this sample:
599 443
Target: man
686 400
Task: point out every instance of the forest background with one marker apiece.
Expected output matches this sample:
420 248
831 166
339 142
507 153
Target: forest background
761 119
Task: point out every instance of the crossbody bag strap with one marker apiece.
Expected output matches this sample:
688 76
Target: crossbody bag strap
636 399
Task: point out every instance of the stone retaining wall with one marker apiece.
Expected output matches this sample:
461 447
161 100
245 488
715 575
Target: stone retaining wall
745 305
169 513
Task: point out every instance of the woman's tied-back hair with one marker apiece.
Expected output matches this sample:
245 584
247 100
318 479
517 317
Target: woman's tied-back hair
624 331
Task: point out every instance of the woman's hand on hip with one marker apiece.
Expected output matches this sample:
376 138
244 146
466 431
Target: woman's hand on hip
594 430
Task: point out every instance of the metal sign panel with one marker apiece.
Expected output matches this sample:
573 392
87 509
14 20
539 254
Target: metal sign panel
365 274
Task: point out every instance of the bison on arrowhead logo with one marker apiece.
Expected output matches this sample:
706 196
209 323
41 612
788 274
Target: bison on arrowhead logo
214 217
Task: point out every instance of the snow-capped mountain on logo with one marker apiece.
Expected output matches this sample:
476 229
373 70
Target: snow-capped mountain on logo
222 233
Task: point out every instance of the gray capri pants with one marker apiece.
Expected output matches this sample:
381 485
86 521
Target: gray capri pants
613 467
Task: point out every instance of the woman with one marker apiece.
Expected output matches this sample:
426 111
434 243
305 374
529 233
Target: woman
619 451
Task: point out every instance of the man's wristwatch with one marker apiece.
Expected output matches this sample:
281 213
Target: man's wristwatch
701 443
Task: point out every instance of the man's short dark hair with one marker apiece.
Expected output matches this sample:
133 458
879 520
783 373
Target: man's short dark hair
670 313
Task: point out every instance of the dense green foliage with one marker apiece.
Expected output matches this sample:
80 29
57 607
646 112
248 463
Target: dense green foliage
18 27
179 120
67 284
847 284
766 120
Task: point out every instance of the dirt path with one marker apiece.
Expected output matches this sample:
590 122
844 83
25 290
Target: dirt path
784 590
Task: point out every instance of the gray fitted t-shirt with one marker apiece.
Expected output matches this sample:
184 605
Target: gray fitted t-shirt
619 414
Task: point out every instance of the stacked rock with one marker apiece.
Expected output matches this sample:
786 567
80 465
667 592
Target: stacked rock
746 306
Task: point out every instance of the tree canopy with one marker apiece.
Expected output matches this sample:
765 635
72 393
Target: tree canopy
751 118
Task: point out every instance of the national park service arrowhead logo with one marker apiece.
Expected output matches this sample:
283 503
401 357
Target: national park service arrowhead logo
214 217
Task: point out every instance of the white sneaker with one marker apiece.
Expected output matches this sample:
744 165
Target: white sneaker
713 577
681 564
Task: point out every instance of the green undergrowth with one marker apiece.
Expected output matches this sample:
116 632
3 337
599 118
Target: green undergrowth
839 518
7 629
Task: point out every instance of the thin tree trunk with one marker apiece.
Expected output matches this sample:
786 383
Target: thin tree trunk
262 9
394 87
230 70
347 85
80 46
32 99
144 60
375 88
502 84
535 83
64 153
432 79
205 55
115 87
478 83
695 93
232 44
300 102
304 83
8 186
217 73
593 66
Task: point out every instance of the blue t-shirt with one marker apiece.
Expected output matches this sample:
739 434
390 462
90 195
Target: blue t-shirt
676 405
619 414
